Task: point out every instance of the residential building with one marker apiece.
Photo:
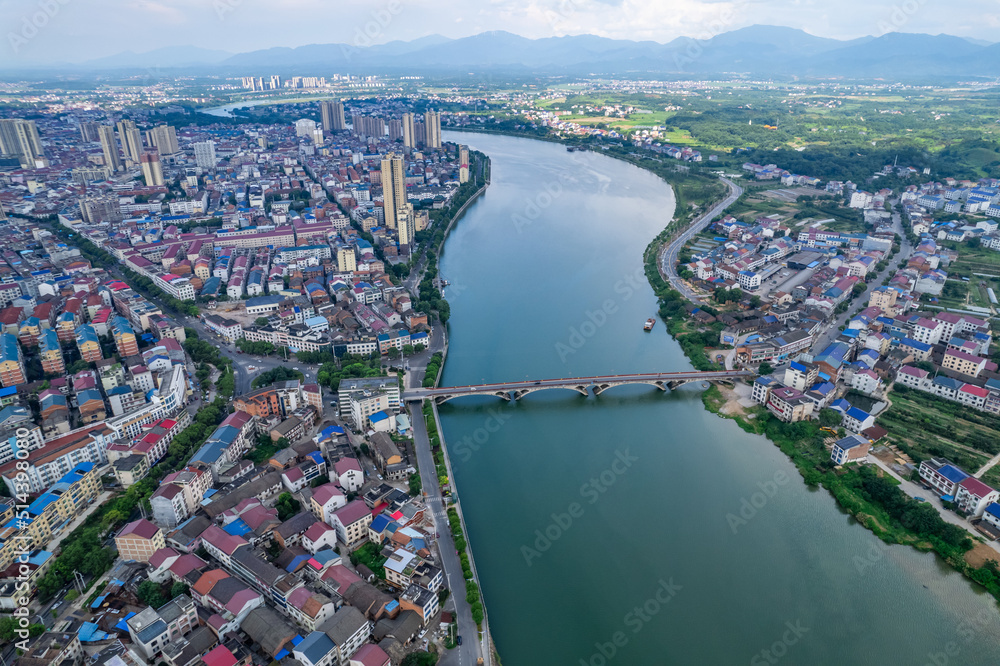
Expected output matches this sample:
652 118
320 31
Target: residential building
850 449
942 475
393 188
139 540
432 129
351 523
973 496
12 370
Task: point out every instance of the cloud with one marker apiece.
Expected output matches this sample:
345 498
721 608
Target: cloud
89 29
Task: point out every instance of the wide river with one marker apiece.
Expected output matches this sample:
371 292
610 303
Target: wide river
638 528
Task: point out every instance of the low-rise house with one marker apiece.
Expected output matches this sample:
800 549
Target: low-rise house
351 523
139 540
850 449
349 474
325 500
790 405
973 496
942 475
856 419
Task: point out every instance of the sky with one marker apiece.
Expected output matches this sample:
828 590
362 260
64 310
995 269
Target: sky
53 31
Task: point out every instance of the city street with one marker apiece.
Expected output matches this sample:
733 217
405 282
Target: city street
669 257
832 329
467 653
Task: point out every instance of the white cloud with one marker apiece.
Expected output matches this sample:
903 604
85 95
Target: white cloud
86 29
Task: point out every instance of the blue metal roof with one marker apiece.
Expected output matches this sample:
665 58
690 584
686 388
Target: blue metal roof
236 528
316 646
380 523
859 414
952 473
993 509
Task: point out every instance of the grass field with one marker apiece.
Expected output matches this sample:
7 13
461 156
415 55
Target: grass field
926 426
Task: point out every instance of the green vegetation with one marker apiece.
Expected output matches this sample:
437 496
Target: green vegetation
472 595
925 426
151 594
82 549
420 658
287 506
255 348
8 624
433 369
330 373
279 374
370 555
202 351
264 450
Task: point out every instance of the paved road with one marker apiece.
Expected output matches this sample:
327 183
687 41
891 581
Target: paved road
832 329
916 490
571 382
670 255
467 653
241 362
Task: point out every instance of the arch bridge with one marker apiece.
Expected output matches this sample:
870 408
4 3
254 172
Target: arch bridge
665 381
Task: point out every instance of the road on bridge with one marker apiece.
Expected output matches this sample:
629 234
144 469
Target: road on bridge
571 382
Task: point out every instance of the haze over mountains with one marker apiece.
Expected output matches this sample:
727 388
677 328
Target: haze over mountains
756 50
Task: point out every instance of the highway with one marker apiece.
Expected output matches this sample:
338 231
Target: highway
571 382
671 253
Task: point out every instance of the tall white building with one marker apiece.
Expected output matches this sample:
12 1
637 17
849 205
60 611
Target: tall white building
164 139
432 128
409 131
204 154
112 158
305 127
19 138
131 140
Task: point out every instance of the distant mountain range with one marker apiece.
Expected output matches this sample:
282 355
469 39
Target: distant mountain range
755 51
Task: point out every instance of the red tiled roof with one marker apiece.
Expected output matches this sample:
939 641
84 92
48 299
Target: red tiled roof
975 486
141 528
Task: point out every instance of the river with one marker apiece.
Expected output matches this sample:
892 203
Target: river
638 528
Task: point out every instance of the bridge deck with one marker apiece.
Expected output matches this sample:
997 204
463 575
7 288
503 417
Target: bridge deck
574 383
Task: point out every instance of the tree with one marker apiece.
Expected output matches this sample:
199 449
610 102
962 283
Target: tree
177 589
420 659
829 418
765 368
393 353
261 321
150 594
287 506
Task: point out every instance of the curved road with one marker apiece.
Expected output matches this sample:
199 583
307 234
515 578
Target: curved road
669 257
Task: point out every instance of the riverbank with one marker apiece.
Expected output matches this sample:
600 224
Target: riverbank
517 465
869 496
428 417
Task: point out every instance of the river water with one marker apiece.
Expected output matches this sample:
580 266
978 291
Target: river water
638 528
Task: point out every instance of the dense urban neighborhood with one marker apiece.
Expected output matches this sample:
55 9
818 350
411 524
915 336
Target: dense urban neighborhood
205 335
223 330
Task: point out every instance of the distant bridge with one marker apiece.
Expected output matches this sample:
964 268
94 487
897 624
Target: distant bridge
664 381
